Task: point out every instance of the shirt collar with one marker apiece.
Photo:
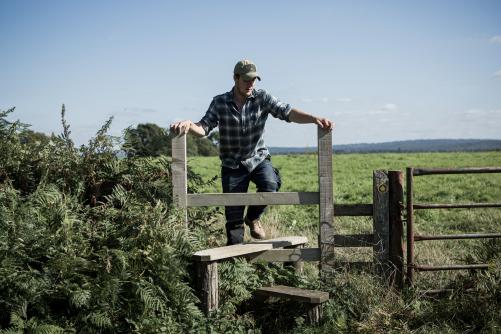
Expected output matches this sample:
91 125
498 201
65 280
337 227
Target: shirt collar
229 95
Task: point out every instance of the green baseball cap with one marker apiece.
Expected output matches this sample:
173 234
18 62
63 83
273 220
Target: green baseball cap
247 69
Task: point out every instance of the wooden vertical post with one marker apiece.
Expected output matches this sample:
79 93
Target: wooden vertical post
314 312
326 205
396 179
208 281
297 265
179 176
381 222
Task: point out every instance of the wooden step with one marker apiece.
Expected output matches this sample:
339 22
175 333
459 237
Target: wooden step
311 299
288 292
226 252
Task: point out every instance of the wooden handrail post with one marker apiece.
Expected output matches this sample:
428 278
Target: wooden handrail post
397 273
326 203
179 173
381 222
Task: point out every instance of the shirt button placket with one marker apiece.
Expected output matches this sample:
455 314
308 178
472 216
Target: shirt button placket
242 118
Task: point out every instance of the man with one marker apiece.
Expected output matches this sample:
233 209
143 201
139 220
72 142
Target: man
241 115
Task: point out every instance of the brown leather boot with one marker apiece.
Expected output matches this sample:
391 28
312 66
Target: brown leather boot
256 229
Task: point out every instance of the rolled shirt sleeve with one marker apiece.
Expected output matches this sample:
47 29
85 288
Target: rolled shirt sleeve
276 108
210 119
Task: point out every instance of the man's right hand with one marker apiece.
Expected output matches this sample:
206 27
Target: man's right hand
181 127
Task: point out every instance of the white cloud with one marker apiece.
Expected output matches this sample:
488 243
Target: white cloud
497 74
386 109
495 39
319 100
138 110
473 111
478 111
389 107
344 99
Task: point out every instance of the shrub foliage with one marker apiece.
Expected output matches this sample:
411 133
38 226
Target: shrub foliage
90 243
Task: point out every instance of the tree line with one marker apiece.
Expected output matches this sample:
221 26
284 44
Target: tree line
148 140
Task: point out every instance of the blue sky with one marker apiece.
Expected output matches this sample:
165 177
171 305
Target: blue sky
383 70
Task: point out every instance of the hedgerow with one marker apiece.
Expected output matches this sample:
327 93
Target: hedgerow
91 243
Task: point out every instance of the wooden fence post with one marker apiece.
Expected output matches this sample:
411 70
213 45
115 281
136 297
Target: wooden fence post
381 222
208 280
396 179
326 204
179 176
297 265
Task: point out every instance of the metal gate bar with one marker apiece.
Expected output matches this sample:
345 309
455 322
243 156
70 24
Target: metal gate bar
411 172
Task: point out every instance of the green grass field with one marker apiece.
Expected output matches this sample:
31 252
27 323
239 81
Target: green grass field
352 175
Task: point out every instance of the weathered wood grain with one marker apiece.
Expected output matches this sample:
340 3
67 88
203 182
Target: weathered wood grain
354 240
381 221
326 204
287 255
225 252
260 198
301 295
208 286
396 252
179 176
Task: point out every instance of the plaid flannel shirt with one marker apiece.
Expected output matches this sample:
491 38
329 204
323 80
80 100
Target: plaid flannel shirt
241 132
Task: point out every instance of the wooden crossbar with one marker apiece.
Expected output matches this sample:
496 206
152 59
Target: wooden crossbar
259 198
354 240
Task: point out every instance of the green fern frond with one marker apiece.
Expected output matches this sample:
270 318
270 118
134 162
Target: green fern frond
11 331
17 321
47 329
99 319
149 295
80 298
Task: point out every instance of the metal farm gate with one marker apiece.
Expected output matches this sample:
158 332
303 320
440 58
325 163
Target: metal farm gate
412 266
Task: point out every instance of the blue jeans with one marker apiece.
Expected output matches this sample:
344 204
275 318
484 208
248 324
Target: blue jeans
265 177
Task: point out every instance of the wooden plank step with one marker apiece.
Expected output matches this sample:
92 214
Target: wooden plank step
302 295
286 255
291 241
225 252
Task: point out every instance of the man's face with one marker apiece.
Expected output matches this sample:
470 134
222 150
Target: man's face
245 87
